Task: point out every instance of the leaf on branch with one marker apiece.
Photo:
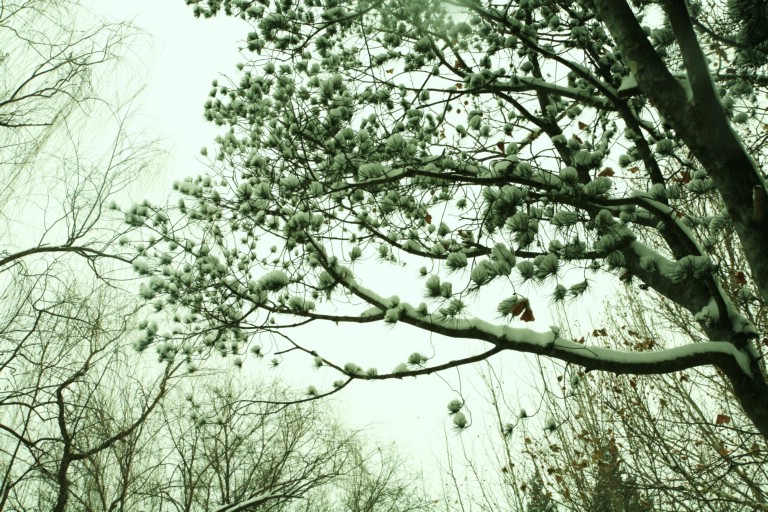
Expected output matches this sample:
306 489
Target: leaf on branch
455 406
684 178
428 219
633 170
460 421
583 125
527 315
391 70
646 344
459 85
517 307
608 172
720 52
500 145
722 419
599 332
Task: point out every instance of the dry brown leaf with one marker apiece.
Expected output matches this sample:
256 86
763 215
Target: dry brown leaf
527 315
608 172
722 419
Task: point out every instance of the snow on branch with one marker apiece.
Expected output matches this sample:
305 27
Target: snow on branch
547 343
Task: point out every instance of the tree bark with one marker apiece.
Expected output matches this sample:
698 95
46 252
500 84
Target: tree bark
698 118
700 122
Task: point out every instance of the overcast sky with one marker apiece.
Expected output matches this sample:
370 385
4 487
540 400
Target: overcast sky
180 57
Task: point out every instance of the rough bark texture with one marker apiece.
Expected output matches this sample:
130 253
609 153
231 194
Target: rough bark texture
700 122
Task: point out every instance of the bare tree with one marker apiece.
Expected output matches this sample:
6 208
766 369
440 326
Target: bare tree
381 482
65 143
65 150
665 442
231 444
677 437
53 404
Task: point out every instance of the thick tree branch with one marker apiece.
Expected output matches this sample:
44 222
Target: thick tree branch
701 122
652 74
693 58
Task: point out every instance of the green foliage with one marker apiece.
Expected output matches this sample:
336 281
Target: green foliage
499 147
612 489
537 499
752 18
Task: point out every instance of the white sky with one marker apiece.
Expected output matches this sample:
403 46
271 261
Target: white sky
180 58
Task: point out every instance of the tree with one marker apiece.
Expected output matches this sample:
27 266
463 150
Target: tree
684 445
231 448
380 481
498 147
612 490
50 77
64 151
80 429
59 177
229 443
671 442
538 500
56 419
79 409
